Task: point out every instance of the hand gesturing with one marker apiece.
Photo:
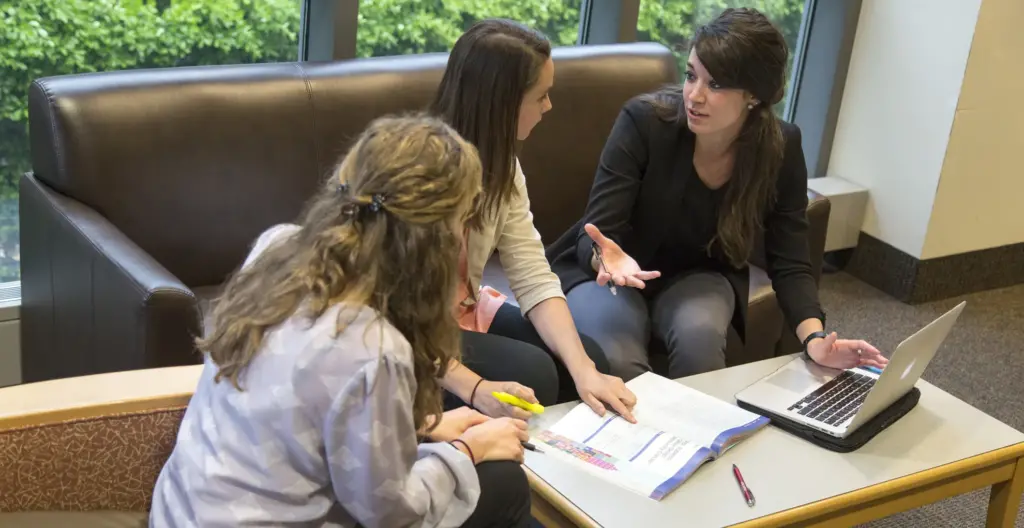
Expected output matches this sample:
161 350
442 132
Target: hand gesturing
618 267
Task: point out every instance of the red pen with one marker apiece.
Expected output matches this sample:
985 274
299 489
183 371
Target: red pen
743 485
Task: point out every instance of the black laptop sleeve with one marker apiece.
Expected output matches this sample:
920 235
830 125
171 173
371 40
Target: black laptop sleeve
855 440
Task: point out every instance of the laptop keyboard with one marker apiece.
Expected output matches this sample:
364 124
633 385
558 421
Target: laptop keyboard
836 401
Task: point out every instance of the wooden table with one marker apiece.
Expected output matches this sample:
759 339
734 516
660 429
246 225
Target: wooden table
942 448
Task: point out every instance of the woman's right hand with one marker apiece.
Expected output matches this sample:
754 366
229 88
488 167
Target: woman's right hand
484 401
619 267
498 439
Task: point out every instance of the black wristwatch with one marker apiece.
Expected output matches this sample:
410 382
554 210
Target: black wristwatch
814 335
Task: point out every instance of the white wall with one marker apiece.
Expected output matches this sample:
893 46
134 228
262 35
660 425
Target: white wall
905 73
980 201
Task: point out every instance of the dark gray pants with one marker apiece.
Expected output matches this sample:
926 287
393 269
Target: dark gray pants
691 315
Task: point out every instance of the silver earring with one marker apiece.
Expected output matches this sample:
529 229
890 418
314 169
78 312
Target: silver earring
750 106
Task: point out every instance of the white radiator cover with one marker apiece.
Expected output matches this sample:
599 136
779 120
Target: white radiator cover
10 333
849 202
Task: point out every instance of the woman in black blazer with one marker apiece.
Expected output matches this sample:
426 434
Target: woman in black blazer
688 178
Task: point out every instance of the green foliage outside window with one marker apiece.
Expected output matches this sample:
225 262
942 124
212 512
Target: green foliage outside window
40 38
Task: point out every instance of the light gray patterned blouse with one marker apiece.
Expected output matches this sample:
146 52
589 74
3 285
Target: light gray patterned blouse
322 435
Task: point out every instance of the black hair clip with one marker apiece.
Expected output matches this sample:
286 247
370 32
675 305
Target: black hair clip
349 210
343 188
378 202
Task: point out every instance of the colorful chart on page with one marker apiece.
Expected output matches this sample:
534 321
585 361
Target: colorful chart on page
580 451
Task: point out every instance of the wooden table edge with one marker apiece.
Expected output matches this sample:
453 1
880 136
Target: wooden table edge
1002 460
556 510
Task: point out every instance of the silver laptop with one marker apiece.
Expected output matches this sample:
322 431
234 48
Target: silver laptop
837 402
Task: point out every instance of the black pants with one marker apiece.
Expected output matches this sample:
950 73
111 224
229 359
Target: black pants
504 496
512 350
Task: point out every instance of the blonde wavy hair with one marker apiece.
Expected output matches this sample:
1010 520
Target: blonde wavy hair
384 233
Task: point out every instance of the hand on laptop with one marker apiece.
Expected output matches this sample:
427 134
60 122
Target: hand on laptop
845 353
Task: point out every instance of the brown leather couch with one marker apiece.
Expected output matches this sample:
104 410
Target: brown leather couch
148 188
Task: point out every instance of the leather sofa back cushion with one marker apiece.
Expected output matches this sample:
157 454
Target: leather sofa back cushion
189 163
193 163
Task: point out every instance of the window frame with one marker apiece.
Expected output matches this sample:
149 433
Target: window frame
822 55
826 44
328 30
603 22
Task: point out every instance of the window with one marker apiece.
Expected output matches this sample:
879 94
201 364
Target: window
402 27
41 38
672 22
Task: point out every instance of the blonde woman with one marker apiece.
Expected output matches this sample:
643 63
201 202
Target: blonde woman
321 372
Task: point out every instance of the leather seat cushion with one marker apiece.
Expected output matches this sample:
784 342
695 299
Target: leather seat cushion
494 276
62 519
764 318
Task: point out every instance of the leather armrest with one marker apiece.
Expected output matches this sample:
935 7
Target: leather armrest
92 300
819 208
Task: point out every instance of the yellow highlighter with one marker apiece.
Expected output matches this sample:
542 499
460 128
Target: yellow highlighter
505 397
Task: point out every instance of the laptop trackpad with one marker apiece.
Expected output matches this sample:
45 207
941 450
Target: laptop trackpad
793 380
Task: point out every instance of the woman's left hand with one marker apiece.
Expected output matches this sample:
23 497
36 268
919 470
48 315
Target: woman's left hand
454 423
845 353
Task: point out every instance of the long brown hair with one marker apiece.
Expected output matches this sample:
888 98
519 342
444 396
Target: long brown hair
490 69
380 233
742 49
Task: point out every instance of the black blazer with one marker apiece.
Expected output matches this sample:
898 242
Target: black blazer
642 175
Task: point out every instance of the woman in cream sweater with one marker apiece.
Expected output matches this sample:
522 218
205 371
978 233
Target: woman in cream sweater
494 91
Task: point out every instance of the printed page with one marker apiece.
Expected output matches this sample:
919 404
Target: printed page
689 413
641 458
